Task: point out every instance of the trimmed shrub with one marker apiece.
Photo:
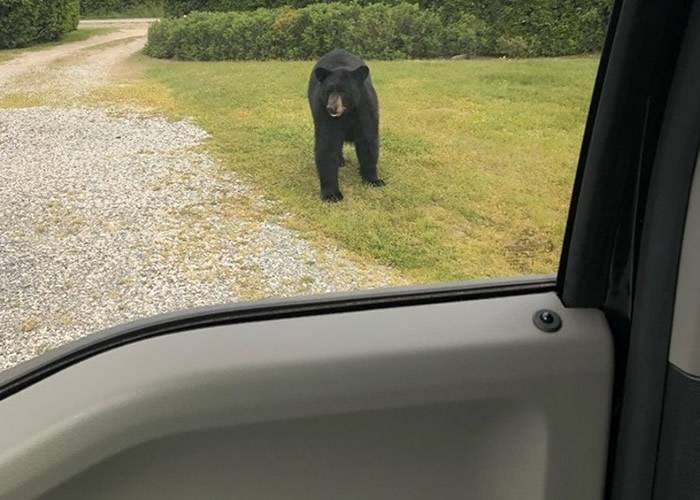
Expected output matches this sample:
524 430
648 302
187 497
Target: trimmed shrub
27 22
375 31
71 15
515 28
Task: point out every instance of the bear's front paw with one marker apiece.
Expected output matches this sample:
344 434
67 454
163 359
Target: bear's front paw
375 182
332 196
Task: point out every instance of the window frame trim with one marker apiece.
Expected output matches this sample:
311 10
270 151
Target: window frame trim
34 370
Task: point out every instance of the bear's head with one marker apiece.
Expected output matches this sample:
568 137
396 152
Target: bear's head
341 90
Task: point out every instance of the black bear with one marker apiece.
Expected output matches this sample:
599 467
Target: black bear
345 108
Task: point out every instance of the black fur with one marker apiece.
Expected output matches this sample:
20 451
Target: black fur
341 73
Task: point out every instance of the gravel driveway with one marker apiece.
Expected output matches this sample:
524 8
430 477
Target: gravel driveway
110 215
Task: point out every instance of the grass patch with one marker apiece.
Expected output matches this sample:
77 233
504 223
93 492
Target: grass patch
21 101
134 89
74 36
479 156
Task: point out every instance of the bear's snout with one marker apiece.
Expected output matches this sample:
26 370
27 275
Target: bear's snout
335 106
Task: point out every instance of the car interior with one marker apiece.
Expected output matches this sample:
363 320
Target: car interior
584 385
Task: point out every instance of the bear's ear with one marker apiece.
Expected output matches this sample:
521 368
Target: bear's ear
361 73
321 74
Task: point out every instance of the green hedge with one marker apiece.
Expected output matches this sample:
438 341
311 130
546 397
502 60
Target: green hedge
181 7
126 8
533 27
27 22
380 31
515 28
90 6
536 27
375 31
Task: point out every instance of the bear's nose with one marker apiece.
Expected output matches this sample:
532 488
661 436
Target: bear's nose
335 111
334 106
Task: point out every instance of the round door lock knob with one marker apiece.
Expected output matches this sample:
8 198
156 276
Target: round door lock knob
547 321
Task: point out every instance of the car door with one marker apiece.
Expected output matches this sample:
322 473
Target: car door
547 387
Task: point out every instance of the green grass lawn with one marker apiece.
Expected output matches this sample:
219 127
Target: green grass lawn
73 36
479 156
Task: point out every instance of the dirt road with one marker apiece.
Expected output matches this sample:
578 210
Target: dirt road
74 67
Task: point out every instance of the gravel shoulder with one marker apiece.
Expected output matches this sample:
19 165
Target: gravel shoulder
109 215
